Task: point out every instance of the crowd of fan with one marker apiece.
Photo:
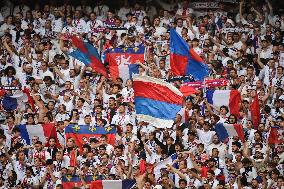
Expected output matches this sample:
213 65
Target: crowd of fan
241 41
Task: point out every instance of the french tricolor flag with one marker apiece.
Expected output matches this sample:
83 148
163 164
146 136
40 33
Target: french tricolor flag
229 98
184 60
156 101
225 130
43 131
113 184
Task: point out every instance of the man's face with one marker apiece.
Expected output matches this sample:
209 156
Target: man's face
88 120
182 185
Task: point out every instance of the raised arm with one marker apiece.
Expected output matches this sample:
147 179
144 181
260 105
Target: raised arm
241 9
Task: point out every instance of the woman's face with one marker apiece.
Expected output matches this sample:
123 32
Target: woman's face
70 143
9 19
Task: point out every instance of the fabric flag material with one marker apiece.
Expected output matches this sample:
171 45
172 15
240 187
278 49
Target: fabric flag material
82 133
255 112
184 115
44 132
275 135
75 181
87 54
196 85
17 100
225 130
30 98
113 184
229 98
156 101
163 165
187 91
212 83
184 60
122 61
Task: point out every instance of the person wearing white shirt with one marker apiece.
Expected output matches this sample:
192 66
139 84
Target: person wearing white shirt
265 51
184 11
6 8
123 11
121 118
69 28
159 30
83 7
22 8
139 13
179 27
57 23
38 22
93 24
101 10
205 135
44 71
7 26
78 23
166 19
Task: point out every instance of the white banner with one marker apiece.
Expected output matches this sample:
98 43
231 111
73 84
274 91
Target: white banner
204 5
232 30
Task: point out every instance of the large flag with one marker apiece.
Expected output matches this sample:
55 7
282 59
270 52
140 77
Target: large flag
163 165
122 61
82 133
75 181
156 101
229 98
184 60
275 135
16 100
43 131
255 112
87 54
225 130
113 184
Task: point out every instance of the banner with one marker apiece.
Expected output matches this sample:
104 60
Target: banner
75 181
204 5
234 30
83 133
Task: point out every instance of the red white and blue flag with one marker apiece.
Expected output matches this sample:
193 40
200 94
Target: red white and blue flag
87 54
224 131
184 60
156 101
82 134
113 184
123 61
229 98
17 99
43 131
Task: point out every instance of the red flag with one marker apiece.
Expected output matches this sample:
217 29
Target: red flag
255 112
50 131
187 90
98 66
73 158
79 44
2 92
30 98
274 136
142 166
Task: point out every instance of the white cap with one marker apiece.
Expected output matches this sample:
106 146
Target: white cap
158 187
